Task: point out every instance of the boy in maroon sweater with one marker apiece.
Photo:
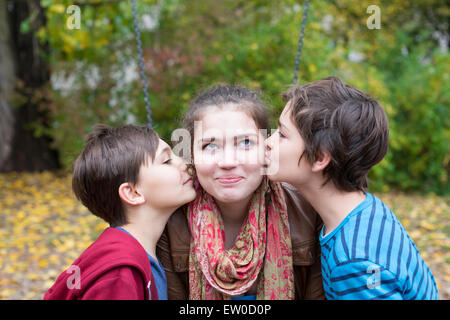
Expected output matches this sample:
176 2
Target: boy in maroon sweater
130 178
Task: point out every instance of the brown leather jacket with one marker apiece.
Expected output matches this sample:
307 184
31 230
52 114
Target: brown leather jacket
173 249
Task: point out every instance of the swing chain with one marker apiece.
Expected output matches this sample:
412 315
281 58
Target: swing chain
300 42
141 59
141 63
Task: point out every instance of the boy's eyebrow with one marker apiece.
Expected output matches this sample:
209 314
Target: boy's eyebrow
281 124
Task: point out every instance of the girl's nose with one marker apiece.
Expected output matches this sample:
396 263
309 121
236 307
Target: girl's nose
228 158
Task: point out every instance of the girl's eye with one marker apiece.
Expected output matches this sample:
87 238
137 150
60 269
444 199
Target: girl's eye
210 147
281 134
168 161
246 143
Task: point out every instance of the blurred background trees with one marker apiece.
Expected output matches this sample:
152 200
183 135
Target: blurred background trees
90 75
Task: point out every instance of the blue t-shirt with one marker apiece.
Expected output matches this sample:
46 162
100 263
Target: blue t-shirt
158 273
160 277
371 256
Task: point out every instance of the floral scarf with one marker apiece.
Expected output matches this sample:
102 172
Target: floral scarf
263 244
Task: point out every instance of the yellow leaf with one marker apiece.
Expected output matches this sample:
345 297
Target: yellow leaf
43 263
57 8
32 276
53 258
312 68
57 229
427 225
10 270
4 294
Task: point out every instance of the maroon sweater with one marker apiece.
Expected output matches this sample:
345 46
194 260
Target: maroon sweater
114 267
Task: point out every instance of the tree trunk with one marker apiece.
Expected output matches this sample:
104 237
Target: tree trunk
7 79
25 151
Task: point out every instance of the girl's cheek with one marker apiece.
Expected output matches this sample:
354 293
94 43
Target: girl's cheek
204 169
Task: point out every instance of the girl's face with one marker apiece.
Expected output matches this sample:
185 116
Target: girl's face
284 149
165 182
228 154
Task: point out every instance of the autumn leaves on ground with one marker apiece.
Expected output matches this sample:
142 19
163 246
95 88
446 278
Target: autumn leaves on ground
44 229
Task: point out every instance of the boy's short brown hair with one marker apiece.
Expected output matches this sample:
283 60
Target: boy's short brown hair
344 122
111 157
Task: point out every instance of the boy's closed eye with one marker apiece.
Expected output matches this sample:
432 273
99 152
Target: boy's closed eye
281 134
165 156
281 129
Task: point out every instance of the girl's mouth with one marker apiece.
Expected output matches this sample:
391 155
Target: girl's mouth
229 179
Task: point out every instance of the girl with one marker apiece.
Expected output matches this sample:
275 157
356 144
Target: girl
243 237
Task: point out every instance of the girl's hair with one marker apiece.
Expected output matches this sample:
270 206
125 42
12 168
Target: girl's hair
344 122
111 157
227 96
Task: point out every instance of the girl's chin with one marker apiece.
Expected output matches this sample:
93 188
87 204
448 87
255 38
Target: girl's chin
229 197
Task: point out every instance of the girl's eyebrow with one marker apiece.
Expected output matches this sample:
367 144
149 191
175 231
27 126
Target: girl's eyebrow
208 139
239 136
246 135
201 141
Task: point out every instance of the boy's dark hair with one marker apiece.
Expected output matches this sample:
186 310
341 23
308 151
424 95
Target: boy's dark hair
111 157
344 122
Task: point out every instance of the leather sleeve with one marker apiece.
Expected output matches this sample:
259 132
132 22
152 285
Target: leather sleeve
314 285
176 271
305 225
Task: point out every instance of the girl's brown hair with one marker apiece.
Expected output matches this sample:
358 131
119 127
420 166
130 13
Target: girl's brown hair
221 96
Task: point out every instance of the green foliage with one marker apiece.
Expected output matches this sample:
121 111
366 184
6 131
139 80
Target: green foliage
195 44
420 126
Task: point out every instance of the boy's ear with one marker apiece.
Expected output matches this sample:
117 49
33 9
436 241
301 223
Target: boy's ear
130 194
321 162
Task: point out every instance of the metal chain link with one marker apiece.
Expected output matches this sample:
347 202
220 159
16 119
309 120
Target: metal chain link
141 64
300 42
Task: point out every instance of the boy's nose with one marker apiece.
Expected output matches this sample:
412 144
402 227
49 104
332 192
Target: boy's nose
180 162
268 143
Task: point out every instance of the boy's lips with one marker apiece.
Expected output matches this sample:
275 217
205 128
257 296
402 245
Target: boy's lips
229 179
187 181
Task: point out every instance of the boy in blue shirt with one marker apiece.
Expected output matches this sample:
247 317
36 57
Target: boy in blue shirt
329 136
